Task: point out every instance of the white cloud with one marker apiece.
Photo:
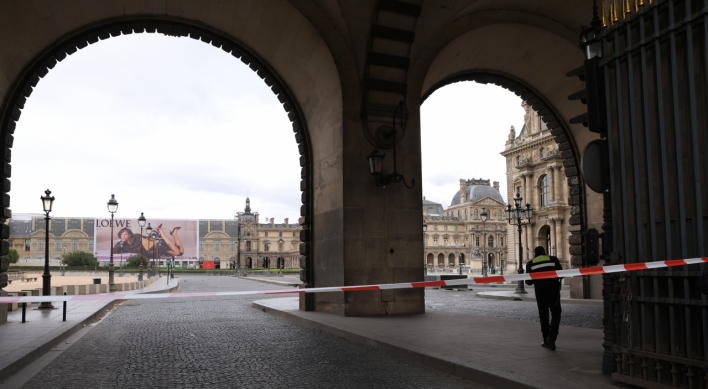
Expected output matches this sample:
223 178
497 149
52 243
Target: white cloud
176 128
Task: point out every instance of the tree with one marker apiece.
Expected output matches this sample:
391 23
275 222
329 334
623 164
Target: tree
134 261
80 258
13 256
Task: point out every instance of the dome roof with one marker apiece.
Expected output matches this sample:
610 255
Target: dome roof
476 193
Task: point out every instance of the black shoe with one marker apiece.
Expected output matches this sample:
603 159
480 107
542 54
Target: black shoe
549 343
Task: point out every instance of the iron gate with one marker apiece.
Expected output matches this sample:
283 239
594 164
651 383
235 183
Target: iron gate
652 84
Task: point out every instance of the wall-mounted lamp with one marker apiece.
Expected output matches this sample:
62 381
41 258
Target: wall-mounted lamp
376 159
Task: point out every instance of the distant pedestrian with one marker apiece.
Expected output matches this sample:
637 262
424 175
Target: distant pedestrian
547 295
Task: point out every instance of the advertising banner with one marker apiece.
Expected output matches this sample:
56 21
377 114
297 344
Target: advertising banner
169 238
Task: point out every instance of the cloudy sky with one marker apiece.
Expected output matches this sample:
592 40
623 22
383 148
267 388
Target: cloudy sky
176 128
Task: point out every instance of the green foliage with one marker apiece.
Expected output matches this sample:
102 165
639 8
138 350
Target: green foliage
13 256
80 258
134 261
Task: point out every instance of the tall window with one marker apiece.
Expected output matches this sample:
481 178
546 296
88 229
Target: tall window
280 234
266 234
445 240
490 241
28 243
501 241
518 160
233 245
518 189
476 214
57 245
90 246
458 214
543 152
217 245
294 234
201 245
435 241
476 241
40 245
74 245
280 246
499 215
248 245
545 197
466 214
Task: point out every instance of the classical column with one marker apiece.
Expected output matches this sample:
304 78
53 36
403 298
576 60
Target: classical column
562 189
560 242
553 183
554 239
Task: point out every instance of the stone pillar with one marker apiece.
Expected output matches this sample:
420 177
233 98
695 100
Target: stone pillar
552 176
560 241
554 238
563 188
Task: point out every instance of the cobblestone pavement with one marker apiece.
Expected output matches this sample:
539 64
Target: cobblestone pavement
466 302
222 342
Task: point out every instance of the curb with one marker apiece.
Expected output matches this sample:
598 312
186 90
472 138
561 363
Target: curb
40 350
446 366
516 297
272 282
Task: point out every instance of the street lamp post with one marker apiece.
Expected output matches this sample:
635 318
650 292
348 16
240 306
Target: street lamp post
515 216
141 223
281 259
112 208
501 261
461 262
151 273
267 259
484 215
47 202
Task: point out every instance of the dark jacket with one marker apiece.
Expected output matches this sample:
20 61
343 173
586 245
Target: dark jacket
703 282
540 264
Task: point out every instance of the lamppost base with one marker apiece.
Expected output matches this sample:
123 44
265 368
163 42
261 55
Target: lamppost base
46 305
520 288
111 280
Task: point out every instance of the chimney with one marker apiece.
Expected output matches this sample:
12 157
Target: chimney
286 221
463 191
495 184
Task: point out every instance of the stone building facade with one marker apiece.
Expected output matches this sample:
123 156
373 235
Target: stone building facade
227 242
534 168
458 236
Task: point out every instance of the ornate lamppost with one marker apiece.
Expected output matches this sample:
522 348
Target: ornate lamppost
281 259
501 261
112 208
47 202
141 223
484 215
151 273
515 216
267 259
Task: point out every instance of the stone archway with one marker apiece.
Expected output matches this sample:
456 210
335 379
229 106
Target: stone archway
72 42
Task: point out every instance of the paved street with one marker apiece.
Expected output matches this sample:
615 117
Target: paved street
466 302
224 342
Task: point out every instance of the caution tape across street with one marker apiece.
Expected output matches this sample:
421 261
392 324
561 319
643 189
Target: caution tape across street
406 285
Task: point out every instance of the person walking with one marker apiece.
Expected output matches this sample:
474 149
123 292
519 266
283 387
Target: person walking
547 295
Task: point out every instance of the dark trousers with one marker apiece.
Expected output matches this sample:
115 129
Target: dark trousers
548 299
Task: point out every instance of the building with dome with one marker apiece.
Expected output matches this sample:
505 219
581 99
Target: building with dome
459 235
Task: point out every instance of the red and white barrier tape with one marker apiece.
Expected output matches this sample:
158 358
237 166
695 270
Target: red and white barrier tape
406 285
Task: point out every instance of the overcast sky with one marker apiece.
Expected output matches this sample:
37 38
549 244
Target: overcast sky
176 128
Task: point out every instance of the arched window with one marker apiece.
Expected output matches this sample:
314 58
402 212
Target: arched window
545 190
476 214
518 160
501 241
490 241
